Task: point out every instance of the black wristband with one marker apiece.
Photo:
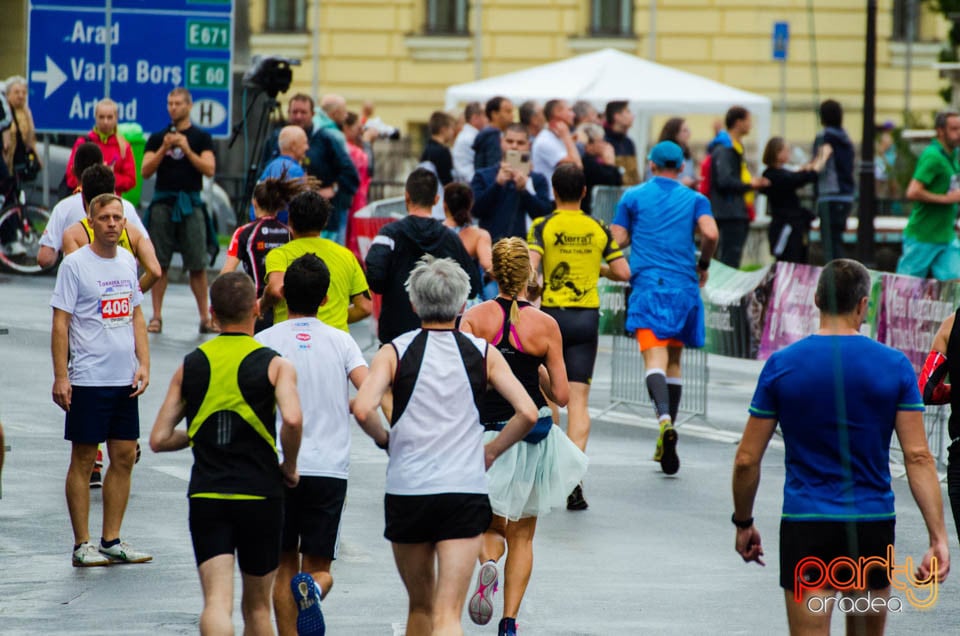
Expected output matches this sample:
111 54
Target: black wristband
703 264
385 445
743 525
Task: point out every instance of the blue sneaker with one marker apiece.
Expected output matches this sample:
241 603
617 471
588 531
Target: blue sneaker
307 596
508 627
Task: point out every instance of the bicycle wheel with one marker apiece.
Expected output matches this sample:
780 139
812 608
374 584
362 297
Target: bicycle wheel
21 227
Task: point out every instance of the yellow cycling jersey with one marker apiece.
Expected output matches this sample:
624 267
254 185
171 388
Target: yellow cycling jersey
573 245
124 237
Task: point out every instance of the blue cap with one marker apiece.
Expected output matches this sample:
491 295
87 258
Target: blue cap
667 154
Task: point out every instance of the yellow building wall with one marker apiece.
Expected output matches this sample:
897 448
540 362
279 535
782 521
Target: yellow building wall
13 39
367 52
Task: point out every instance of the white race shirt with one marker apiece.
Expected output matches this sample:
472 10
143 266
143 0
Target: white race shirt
70 210
463 153
548 150
324 358
100 294
436 442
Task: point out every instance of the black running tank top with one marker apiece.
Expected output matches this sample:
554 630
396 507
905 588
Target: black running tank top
525 366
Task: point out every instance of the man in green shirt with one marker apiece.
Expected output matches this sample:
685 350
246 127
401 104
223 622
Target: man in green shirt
930 245
348 299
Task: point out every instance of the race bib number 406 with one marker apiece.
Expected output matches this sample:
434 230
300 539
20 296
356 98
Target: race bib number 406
116 309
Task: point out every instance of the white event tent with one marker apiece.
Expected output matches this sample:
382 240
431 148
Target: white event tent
611 75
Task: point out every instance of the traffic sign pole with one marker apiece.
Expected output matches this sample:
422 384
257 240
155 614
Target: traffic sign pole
108 15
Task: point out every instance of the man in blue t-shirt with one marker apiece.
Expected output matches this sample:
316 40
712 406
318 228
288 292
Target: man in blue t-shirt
665 310
838 396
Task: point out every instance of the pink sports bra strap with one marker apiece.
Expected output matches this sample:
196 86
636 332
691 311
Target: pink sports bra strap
513 328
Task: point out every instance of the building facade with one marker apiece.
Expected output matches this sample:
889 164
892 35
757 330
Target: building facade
403 54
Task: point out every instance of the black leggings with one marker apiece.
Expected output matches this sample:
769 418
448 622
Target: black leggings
580 329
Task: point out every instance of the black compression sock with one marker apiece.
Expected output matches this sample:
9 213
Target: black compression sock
675 388
657 387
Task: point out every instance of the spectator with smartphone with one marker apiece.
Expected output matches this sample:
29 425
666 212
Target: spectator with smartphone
505 195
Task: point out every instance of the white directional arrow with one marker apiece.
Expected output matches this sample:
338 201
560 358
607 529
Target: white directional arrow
53 77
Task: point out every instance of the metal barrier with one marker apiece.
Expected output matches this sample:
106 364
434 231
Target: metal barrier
628 378
604 199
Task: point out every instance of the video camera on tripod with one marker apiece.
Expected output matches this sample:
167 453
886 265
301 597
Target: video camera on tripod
267 77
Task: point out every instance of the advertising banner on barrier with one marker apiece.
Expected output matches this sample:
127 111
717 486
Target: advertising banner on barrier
613 306
910 312
791 314
734 303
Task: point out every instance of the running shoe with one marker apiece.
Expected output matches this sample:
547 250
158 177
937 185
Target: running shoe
667 444
123 552
575 500
307 596
481 603
87 556
508 627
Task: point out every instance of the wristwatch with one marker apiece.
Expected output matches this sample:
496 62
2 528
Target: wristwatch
703 264
743 525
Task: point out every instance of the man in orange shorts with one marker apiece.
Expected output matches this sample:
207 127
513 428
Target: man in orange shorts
665 310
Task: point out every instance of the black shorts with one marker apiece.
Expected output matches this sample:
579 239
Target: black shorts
828 540
99 413
434 518
311 516
249 528
581 333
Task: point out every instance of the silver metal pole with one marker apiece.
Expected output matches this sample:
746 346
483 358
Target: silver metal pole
107 43
46 171
315 81
783 98
478 40
652 36
911 35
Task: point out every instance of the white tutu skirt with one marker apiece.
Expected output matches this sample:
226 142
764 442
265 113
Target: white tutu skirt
529 480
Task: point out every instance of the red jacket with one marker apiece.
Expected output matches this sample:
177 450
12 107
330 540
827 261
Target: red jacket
116 153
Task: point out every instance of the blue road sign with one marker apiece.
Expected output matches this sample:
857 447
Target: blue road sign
155 46
781 40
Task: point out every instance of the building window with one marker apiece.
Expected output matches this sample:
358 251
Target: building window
446 17
287 16
901 20
611 17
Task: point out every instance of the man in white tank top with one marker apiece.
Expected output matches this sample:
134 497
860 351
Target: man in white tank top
436 503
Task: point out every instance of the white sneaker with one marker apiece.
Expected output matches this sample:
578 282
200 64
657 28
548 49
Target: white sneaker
124 553
87 556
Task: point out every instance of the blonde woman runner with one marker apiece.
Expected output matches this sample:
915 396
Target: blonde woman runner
535 475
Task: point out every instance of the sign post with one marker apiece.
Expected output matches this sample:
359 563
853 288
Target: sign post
781 42
135 52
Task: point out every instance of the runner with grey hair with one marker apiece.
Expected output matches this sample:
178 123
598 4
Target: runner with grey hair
435 518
